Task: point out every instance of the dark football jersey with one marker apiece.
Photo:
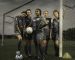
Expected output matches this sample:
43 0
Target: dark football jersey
55 26
20 21
38 23
49 22
27 22
19 24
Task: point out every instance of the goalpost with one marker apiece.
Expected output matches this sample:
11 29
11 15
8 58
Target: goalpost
4 16
61 30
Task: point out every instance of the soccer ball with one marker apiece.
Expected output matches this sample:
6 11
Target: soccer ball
29 30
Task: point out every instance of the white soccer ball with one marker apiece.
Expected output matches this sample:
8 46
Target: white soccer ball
29 30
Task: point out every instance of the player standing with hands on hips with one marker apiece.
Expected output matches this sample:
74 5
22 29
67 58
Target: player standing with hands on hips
47 29
39 37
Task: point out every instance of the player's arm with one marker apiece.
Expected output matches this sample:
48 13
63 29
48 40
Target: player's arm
51 26
43 22
18 30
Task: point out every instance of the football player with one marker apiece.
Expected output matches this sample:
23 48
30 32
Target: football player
55 31
47 28
39 37
19 28
28 36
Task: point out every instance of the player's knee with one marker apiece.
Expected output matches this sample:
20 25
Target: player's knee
44 43
57 42
19 37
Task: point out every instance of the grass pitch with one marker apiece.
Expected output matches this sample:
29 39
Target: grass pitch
7 52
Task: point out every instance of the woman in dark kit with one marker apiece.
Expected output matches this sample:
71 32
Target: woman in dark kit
39 37
22 22
19 24
55 31
28 37
47 29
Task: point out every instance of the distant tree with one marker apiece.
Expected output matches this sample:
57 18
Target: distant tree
69 34
0 36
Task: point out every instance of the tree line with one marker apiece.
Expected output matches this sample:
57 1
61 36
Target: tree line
69 34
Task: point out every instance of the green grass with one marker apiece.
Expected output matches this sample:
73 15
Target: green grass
7 52
69 46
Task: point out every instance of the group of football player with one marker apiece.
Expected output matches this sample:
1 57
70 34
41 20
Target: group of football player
39 30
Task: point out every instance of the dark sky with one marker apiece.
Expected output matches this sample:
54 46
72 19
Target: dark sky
50 5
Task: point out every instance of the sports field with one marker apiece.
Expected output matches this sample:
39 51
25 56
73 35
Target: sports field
7 52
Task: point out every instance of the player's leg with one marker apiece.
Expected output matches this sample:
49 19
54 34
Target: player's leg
47 41
26 48
56 48
35 43
19 45
38 46
43 48
18 53
19 37
56 44
25 45
29 45
46 33
42 44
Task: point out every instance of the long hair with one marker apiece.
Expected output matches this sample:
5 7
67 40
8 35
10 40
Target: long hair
57 12
39 10
28 10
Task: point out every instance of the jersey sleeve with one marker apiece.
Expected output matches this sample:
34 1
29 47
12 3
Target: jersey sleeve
34 24
43 23
16 20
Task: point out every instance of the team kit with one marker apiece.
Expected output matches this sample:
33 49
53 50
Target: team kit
39 30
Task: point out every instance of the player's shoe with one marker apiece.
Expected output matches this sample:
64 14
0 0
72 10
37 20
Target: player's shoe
18 56
43 58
